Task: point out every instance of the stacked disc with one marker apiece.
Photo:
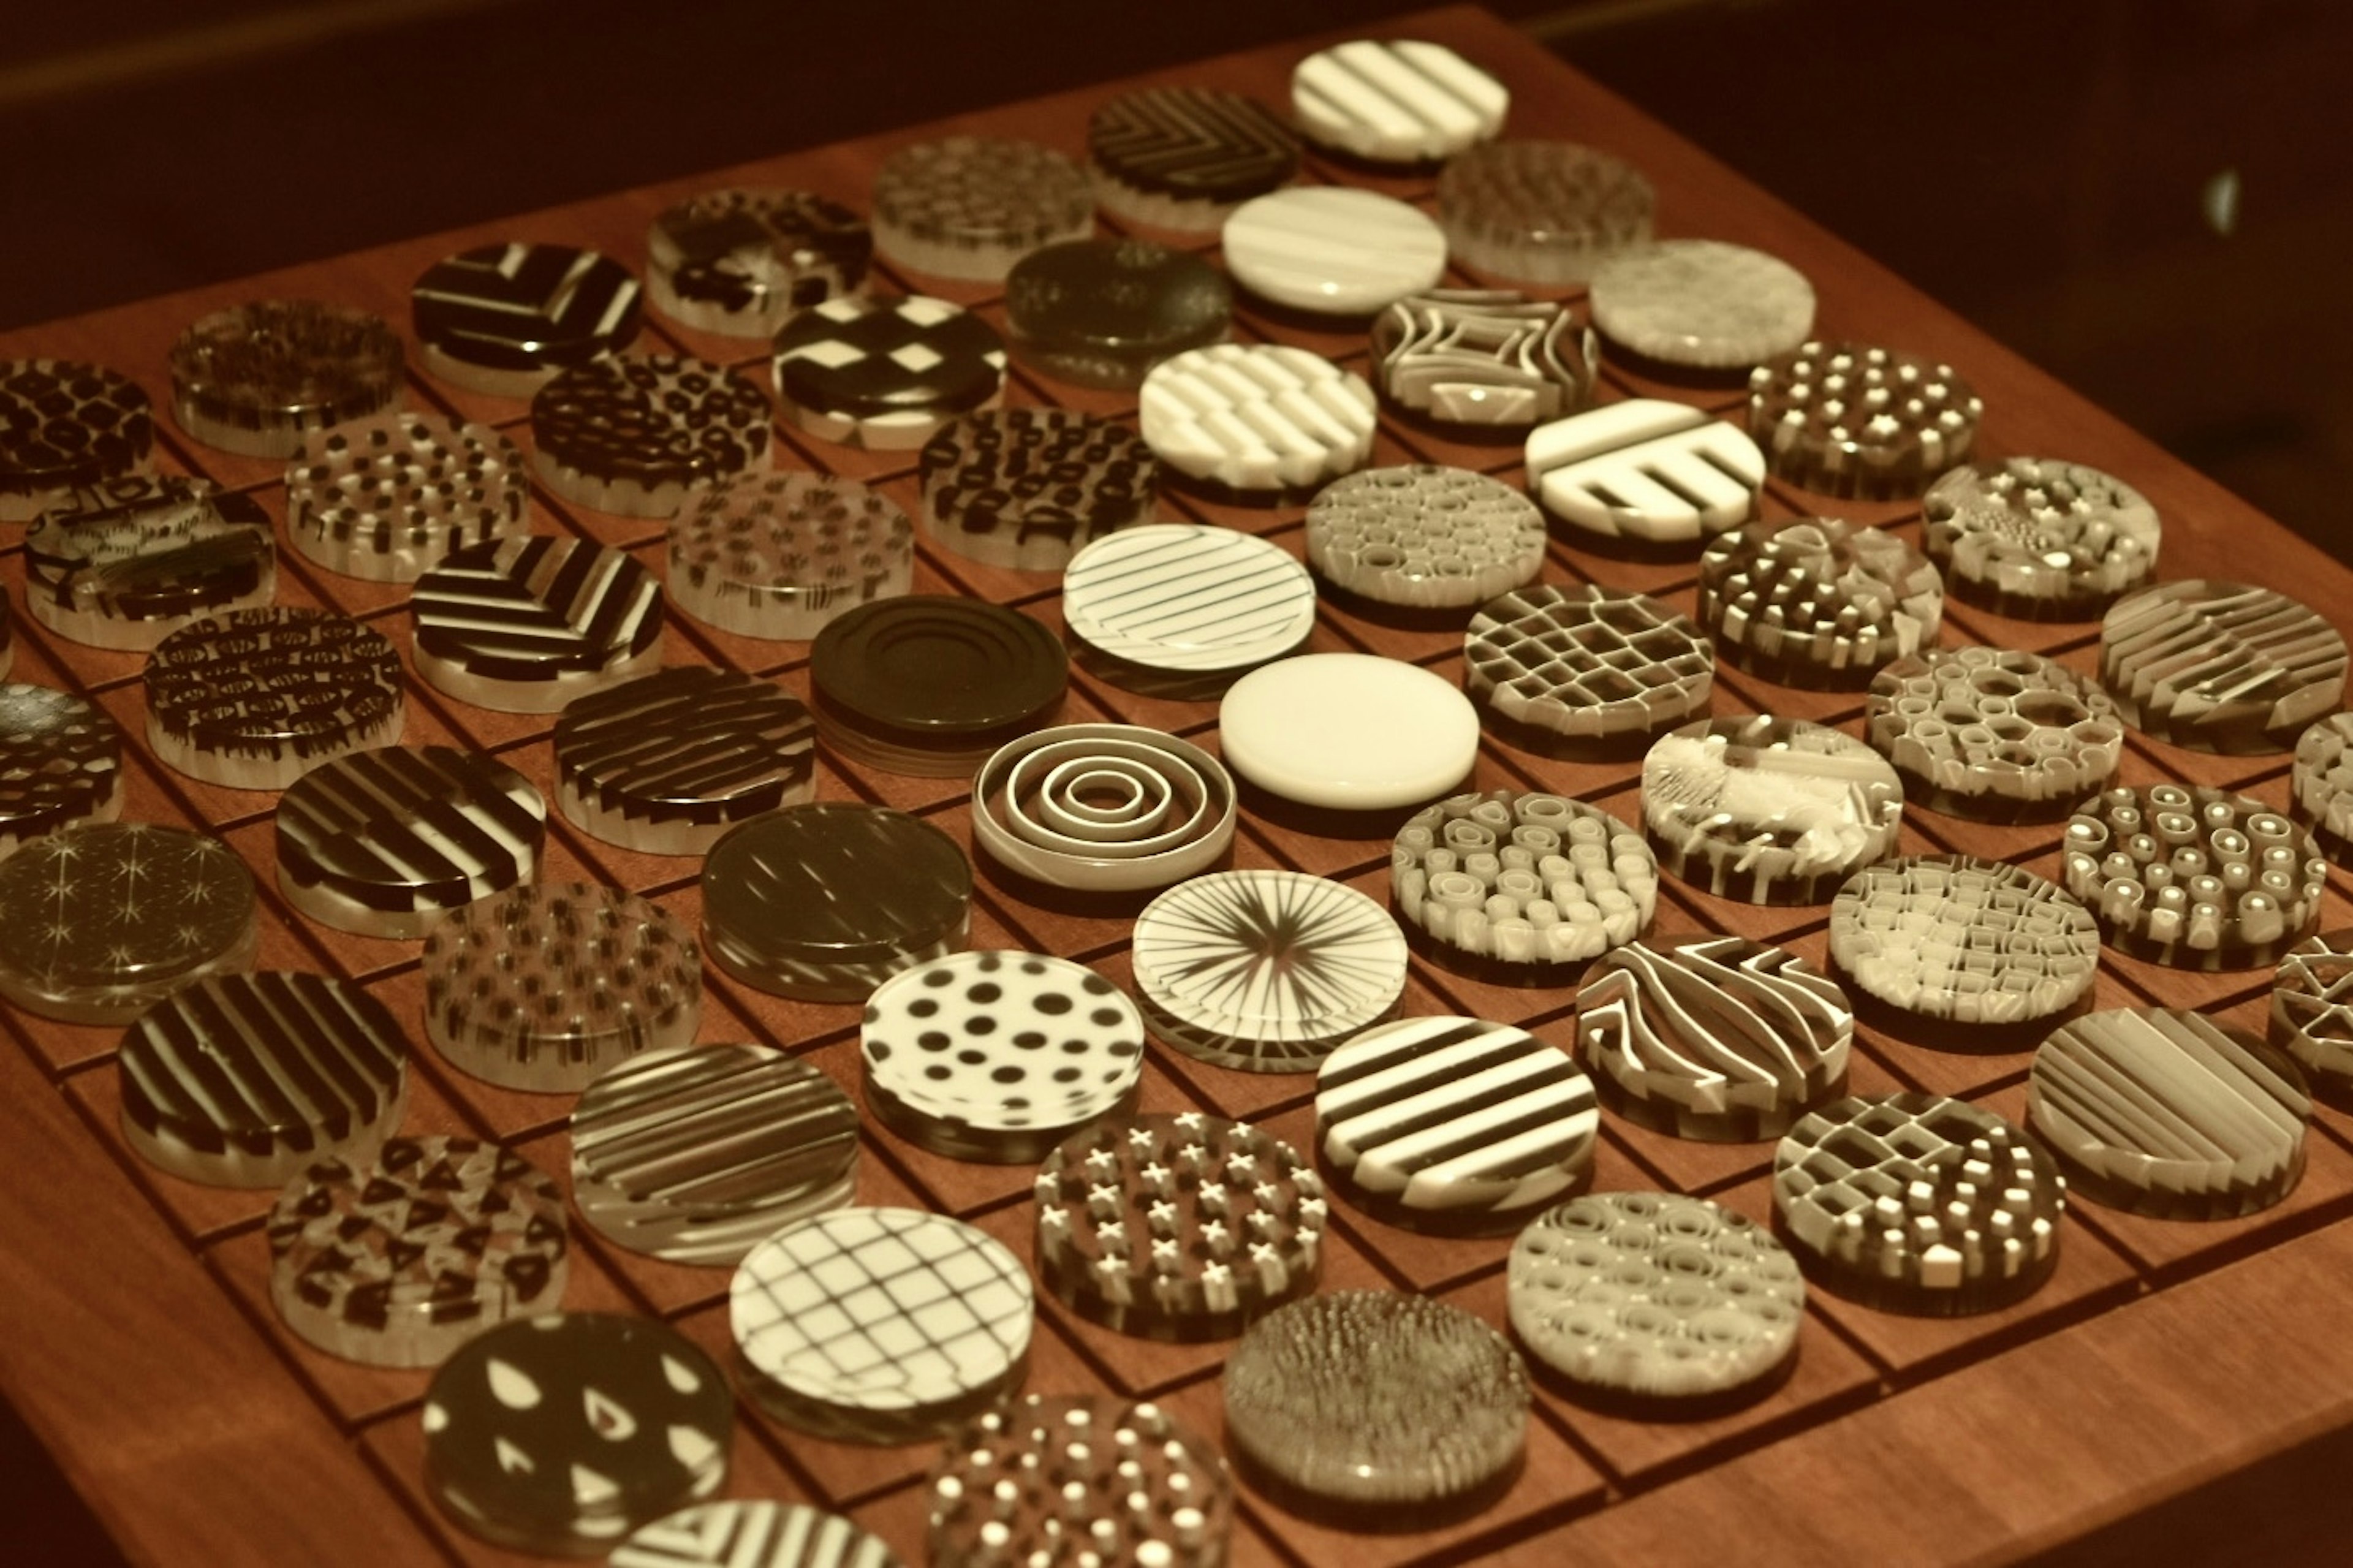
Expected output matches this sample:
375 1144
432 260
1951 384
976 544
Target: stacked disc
1517 884
558 1435
1180 1228
1770 811
1454 1125
256 698
1081 1478
2168 1113
697 1155
99 922
384 499
997 1057
668 763
384 843
543 987
241 1080
2193 876
1921 1204
1716 1038
60 763
398 1260
525 624
880 1325
825 902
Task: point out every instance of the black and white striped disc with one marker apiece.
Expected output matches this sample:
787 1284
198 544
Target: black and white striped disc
1396 100
1454 1124
698 1155
752 1535
1180 158
241 1080
384 843
665 763
525 625
502 318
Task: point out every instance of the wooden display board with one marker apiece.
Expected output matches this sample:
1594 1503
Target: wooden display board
135 1330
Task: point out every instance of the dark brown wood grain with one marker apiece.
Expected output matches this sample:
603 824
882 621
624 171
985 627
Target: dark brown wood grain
135 1332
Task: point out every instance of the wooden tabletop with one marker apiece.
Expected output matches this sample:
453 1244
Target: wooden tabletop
135 1331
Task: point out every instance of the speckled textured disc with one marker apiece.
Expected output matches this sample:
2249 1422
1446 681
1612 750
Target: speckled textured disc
1454 1124
1180 1228
827 899
1645 472
667 762
638 434
256 698
1856 420
65 425
1654 1297
1103 807
2312 1010
742 263
778 555
997 1057
1920 1204
1515 885
1103 313
1490 359
385 842
885 374
1584 666
1396 100
100 922
1952 936
1183 607
882 1324
1265 971
1078 1477
1714 1039
544 986
2193 876
1701 304
400 1259
1993 735
2321 785
1425 537
1331 250
501 318
255 378
1180 158
524 625
752 1535
241 1080
1029 488
384 499
1547 213
1768 811
2168 1113
1817 601
558 1435
930 684
971 207
2220 667
1371 1399
2038 539
60 763
127 566
698 1155
1261 420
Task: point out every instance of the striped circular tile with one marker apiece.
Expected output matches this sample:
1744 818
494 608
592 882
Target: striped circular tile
384 843
698 1155
1396 100
502 318
2220 667
752 1535
241 1080
1176 602
1259 421
1453 1124
1333 250
666 763
524 625
1180 158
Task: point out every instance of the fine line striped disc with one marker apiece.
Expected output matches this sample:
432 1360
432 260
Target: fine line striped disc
1178 596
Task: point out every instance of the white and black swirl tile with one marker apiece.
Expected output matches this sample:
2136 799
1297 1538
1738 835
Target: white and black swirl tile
241 1080
666 763
385 842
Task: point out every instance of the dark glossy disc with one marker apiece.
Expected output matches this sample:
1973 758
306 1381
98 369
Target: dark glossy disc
931 673
834 884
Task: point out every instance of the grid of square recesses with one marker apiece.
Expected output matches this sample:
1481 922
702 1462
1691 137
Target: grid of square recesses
1578 1462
